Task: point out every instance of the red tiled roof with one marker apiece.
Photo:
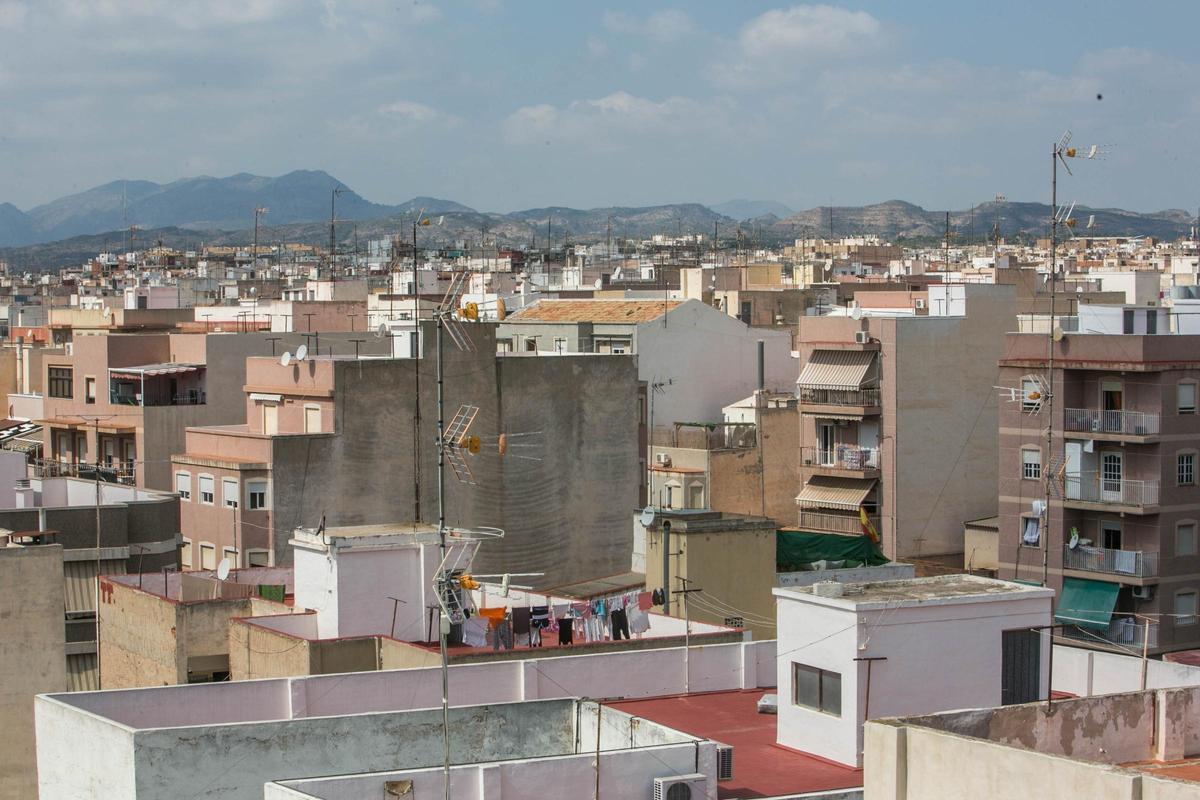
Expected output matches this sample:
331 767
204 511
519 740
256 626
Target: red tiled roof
761 768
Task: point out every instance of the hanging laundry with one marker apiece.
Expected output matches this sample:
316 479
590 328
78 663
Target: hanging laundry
521 618
565 633
644 601
494 616
475 632
639 621
620 624
503 635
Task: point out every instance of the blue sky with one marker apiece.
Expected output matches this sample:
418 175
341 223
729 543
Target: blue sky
506 105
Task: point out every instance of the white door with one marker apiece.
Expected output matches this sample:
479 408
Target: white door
1071 469
270 419
312 419
1111 475
825 443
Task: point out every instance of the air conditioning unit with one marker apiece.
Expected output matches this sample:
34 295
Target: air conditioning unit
662 459
680 787
862 337
725 760
1142 592
919 302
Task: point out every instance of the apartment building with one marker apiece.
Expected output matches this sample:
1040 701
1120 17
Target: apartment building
334 439
896 413
1119 536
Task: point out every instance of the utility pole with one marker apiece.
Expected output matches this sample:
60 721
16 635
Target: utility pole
333 227
687 631
418 349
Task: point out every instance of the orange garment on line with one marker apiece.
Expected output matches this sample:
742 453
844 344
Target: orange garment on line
494 616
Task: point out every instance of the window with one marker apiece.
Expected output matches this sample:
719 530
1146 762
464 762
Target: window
1185 398
1031 464
208 556
59 380
1151 321
256 495
1031 395
183 485
1185 469
229 492
258 558
207 489
1110 535
232 554
818 689
1127 319
1185 608
312 419
89 390
185 554
1031 531
1185 539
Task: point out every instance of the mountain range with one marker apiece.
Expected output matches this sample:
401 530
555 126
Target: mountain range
192 211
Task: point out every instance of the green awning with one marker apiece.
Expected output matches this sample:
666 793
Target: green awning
796 549
1087 604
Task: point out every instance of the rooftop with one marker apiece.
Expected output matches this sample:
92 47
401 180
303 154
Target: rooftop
913 591
762 768
619 311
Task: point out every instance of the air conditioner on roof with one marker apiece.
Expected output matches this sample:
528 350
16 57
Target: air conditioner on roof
724 761
662 459
680 787
862 337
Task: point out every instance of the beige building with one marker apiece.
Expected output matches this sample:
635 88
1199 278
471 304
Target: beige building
32 657
1136 746
896 411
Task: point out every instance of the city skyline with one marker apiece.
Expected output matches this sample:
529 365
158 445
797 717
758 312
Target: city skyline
503 106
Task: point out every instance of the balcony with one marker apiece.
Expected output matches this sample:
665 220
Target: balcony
861 461
1135 426
116 472
1124 563
1125 632
1094 491
862 401
846 524
193 398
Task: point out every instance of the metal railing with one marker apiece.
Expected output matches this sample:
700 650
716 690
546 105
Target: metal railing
190 399
848 523
1090 420
1093 487
841 456
840 397
1123 631
1135 563
116 472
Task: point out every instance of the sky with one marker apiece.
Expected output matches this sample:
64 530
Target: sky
512 104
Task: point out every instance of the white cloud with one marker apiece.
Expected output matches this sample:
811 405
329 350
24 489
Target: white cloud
614 121
408 111
668 25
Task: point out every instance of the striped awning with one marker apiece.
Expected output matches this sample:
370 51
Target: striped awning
83 673
150 370
836 369
844 494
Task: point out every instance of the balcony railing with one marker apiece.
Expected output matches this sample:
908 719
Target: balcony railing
1123 631
1090 420
1096 488
116 472
840 397
833 523
189 399
1135 563
842 456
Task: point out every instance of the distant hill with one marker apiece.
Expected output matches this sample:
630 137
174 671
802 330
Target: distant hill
742 209
202 203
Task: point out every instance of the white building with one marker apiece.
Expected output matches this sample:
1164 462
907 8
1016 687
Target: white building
898 648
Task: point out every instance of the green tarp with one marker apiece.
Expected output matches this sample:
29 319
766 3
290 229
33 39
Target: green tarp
1087 604
796 550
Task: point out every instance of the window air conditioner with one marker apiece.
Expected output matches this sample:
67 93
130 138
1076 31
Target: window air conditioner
919 302
680 787
862 337
662 459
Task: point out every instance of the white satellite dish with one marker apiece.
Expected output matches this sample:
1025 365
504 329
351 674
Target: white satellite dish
223 569
285 359
381 331
1091 223
107 312
1056 334
302 352
598 284
647 518
1093 150
856 312
1074 542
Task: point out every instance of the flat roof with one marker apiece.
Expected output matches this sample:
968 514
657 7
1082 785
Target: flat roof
618 311
761 768
912 591
1187 769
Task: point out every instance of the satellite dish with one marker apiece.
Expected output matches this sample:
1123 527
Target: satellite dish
856 312
1057 334
285 359
223 569
1074 542
107 312
647 518
502 443
598 283
302 352
501 309
381 331
1093 150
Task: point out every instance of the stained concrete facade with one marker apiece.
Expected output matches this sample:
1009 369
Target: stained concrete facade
31 656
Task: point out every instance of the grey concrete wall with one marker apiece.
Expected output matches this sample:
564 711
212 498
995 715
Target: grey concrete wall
82 756
564 514
235 761
31 656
